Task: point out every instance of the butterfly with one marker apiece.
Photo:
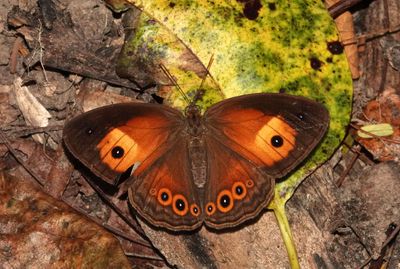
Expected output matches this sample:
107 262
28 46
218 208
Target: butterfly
217 169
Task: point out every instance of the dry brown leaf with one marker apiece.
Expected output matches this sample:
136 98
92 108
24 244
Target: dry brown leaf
384 109
8 114
38 231
34 112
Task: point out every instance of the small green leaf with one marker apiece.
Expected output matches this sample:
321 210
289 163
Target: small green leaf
382 129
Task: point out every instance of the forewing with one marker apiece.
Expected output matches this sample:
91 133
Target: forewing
273 131
109 140
112 139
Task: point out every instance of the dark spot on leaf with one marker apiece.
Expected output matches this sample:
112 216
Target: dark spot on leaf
251 8
272 6
335 47
172 4
151 21
329 60
315 63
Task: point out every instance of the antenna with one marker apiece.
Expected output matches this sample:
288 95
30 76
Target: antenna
174 82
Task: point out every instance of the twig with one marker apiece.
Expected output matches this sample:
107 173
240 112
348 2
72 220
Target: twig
392 235
341 6
19 160
360 40
28 130
378 263
126 236
365 263
127 219
145 257
109 228
41 50
353 159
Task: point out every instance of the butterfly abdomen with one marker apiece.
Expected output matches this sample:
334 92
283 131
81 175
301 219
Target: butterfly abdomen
198 160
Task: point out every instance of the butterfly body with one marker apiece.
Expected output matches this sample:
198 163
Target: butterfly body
217 169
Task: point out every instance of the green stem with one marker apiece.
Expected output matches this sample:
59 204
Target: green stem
280 214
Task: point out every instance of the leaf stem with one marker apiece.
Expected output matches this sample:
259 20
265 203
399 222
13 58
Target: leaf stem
278 206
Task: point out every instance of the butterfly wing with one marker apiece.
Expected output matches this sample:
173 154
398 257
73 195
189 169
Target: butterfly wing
110 140
252 140
164 193
236 189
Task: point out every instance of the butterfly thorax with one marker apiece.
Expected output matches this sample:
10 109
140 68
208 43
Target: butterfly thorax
193 117
196 145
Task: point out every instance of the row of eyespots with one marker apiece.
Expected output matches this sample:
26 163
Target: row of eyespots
225 199
179 202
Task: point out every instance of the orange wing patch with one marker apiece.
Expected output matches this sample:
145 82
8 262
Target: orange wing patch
264 139
114 140
132 143
277 139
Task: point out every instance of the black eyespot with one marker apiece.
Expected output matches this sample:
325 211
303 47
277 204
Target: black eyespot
164 196
239 190
180 204
300 116
225 201
210 208
117 152
195 210
276 141
89 131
